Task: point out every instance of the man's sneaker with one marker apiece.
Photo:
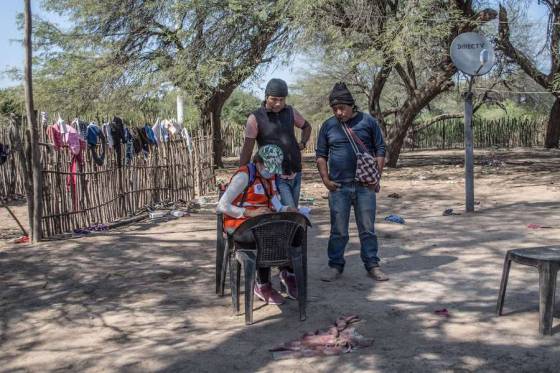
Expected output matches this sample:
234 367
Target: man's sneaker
267 294
289 281
377 274
331 274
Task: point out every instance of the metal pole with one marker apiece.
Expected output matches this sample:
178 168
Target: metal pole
469 156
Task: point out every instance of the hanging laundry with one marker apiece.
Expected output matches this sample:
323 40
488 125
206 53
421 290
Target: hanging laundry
172 128
72 139
76 145
117 131
150 134
93 134
164 133
160 131
142 135
82 129
137 143
129 150
187 137
107 133
44 118
54 135
118 135
62 126
156 128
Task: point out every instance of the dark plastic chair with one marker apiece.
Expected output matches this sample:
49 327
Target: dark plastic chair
280 238
547 260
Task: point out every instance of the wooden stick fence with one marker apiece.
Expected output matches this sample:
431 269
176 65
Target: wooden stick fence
505 132
11 181
233 137
78 193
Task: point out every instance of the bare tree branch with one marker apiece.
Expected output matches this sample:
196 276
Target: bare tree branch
505 45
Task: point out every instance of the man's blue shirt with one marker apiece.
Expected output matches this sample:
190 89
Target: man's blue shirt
333 144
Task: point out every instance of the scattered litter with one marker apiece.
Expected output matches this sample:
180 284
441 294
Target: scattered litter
336 340
493 163
537 226
305 210
442 312
22 239
88 230
157 214
309 201
325 195
394 195
449 212
97 228
395 219
81 231
179 213
193 206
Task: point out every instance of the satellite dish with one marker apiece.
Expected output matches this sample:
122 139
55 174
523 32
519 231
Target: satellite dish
472 53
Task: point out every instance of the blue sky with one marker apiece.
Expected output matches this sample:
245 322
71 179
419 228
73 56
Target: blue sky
12 52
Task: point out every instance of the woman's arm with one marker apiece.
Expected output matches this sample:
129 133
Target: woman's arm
237 185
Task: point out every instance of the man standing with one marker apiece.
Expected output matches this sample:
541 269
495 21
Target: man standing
274 123
336 161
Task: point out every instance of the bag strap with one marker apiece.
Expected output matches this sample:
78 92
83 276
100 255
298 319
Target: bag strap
252 176
346 131
358 140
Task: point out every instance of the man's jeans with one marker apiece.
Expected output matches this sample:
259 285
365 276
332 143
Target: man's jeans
289 190
340 201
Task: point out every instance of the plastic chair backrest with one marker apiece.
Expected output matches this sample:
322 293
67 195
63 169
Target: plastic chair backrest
274 234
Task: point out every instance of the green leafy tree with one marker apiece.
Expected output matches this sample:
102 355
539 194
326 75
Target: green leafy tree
11 102
205 48
531 63
238 107
376 40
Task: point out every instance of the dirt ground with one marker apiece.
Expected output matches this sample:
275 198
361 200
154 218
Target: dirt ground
141 298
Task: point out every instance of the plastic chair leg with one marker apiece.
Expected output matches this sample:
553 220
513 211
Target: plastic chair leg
503 285
234 281
304 258
220 245
299 271
249 265
225 263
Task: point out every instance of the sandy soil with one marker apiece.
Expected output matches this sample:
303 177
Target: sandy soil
141 298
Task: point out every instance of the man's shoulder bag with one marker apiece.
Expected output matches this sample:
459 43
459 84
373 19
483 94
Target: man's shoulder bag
367 170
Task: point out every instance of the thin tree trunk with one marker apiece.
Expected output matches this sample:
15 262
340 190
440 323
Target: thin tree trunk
32 120
553 128
211 117
396 138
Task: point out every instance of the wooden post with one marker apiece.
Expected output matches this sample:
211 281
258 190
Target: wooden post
32 120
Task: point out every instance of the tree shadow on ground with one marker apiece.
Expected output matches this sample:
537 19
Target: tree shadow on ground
142 298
